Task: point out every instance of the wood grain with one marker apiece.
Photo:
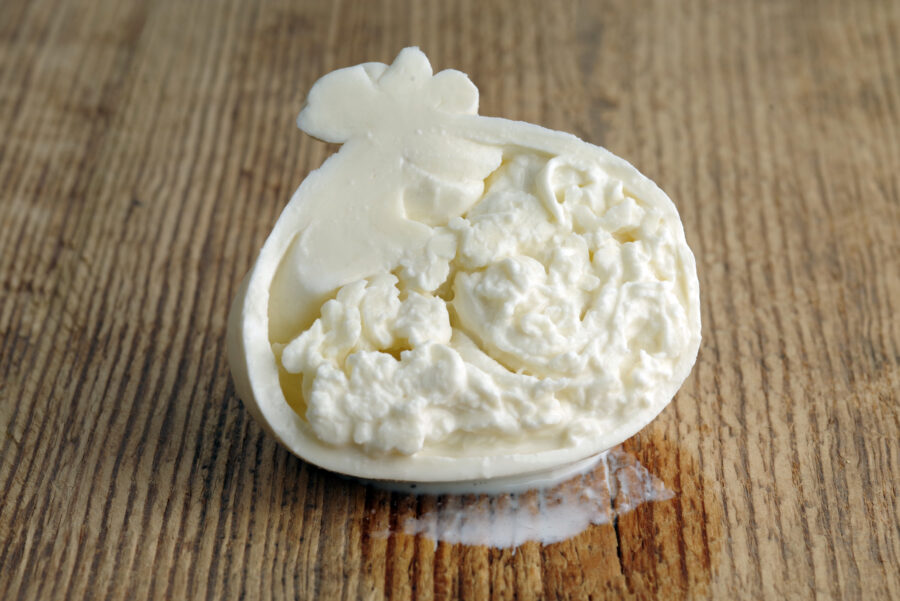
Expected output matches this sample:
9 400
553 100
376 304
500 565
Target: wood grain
147 149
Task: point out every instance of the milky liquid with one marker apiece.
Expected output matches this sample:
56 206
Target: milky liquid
614 483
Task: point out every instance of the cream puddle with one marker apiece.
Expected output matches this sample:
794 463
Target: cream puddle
615 484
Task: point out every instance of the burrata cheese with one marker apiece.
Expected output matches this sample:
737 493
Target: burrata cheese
455 297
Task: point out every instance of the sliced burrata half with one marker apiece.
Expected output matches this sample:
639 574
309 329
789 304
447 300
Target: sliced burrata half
452 297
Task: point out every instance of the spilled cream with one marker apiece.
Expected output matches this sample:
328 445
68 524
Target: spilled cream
613 484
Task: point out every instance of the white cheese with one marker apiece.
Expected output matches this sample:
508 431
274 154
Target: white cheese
457 297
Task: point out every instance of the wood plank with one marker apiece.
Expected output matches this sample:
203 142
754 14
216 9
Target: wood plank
148 148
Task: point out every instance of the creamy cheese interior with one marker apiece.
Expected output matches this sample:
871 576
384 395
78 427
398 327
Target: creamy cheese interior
553 303
454 296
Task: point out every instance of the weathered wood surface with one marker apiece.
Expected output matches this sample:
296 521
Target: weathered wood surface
147 148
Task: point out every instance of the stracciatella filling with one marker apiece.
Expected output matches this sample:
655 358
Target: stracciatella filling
552 303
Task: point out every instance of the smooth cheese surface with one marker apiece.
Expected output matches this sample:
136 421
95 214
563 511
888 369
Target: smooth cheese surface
456 297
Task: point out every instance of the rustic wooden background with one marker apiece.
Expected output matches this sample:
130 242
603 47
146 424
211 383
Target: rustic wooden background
147 148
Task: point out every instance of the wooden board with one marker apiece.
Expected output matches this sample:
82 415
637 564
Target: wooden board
147 148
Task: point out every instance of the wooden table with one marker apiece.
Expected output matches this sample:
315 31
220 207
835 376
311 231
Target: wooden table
146 149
